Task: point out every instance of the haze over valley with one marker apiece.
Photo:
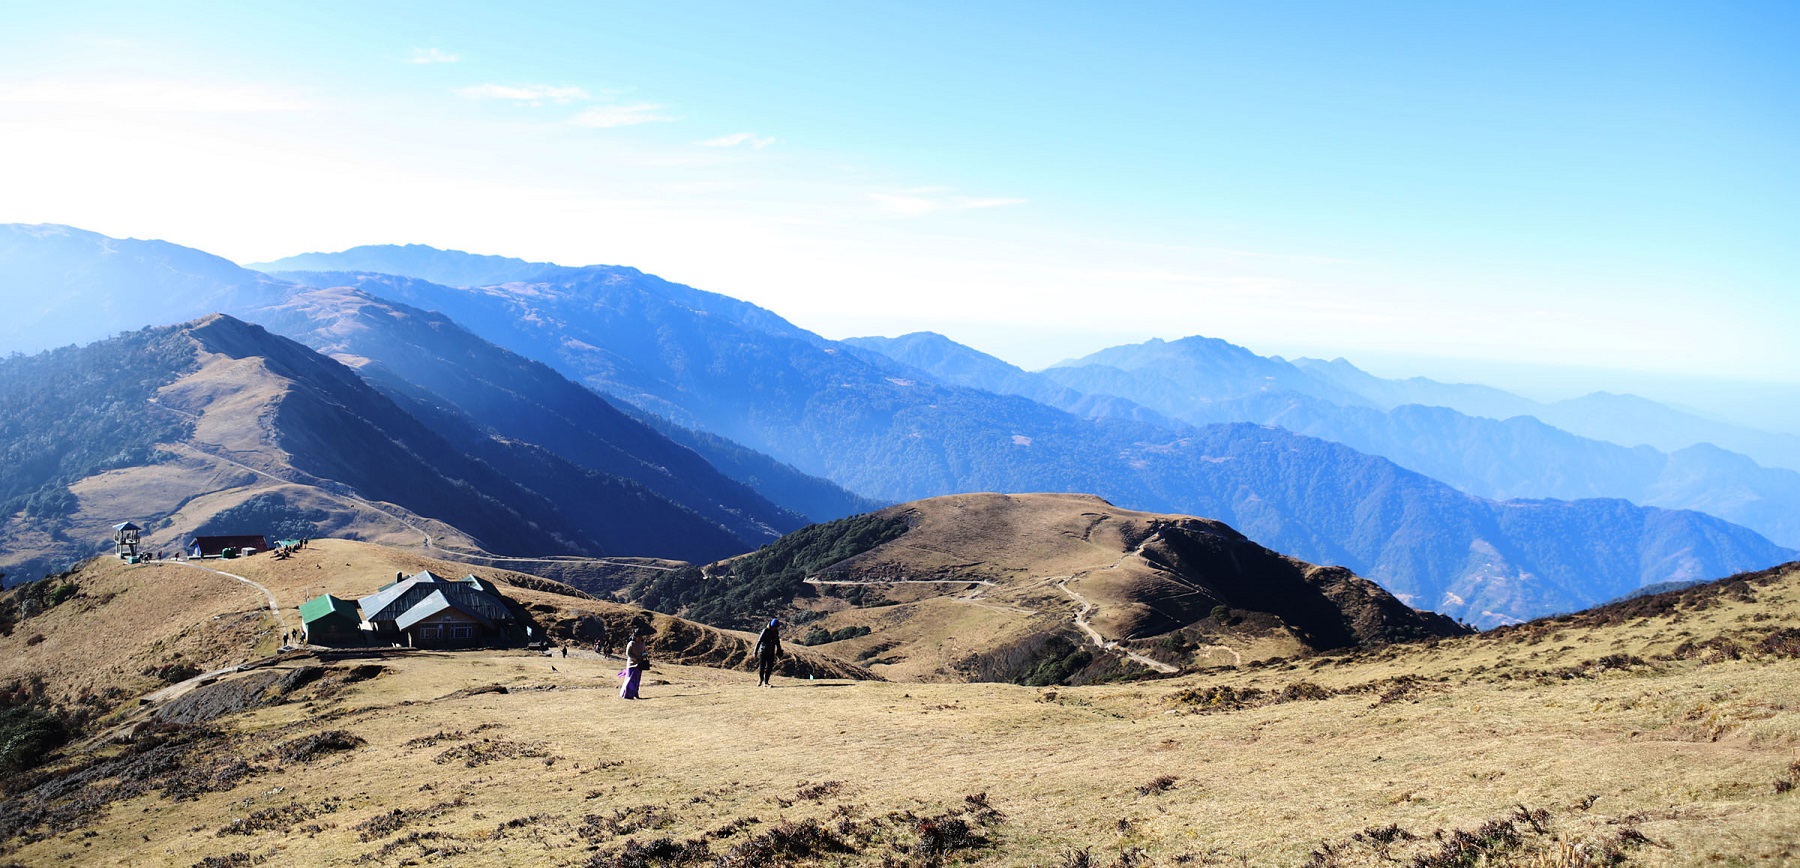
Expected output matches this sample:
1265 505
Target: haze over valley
1484 519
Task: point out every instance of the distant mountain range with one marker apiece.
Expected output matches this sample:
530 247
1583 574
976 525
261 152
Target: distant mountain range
896 431
64 286
498 402
1627 420
740 380
448 267
1200 381
219 426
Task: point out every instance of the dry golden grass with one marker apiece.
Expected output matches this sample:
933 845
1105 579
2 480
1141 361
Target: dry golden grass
1627 746
127 617
129 620
980 572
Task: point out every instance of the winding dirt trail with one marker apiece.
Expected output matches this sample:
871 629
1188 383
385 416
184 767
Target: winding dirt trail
1236 658
274 606
1081 617
1081 622
973 597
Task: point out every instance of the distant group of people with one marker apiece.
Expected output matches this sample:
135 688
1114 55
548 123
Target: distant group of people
637 654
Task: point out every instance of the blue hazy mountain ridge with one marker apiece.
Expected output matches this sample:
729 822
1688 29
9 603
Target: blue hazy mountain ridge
1181 377
99 286
788 488
157 278
1628 420
958 365
633 319
448 267
336 426
1203 381
896 434
1522 457
432 359
1470 398
816 498
338 435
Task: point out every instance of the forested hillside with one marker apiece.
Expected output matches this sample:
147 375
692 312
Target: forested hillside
71 413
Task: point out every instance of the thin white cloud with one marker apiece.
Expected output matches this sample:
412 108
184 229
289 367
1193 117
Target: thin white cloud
920 201
155 96
605 115
967 203
532 94
735 139
433 55
625 115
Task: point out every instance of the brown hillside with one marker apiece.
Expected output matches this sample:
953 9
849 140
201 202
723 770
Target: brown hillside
234 456
1660 737
981 579
126 625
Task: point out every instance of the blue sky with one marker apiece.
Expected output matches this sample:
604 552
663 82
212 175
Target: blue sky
1553 196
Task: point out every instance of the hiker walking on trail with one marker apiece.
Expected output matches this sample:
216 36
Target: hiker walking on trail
637 659
768 648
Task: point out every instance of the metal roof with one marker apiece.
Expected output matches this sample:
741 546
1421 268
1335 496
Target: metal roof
325 605
470 595
438 602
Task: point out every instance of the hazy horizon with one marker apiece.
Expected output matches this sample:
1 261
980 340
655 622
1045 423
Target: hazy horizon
1549 199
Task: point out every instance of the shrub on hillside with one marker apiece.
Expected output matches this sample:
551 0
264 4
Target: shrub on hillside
822 636
766 580
34 598
27 736
1784 642
1057 660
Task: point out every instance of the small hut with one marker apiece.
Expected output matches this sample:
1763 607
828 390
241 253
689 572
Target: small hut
329 620
238 545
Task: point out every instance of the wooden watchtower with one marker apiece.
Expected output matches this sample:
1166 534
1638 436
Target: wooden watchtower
126 535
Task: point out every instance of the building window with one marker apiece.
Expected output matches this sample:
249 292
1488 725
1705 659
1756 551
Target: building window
462 631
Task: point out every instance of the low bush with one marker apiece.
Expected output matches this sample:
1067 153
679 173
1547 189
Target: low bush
27 736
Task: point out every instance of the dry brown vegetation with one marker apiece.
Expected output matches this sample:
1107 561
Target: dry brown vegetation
1659 731
130 629
989 586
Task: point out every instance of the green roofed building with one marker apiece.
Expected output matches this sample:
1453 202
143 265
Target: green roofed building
329 620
